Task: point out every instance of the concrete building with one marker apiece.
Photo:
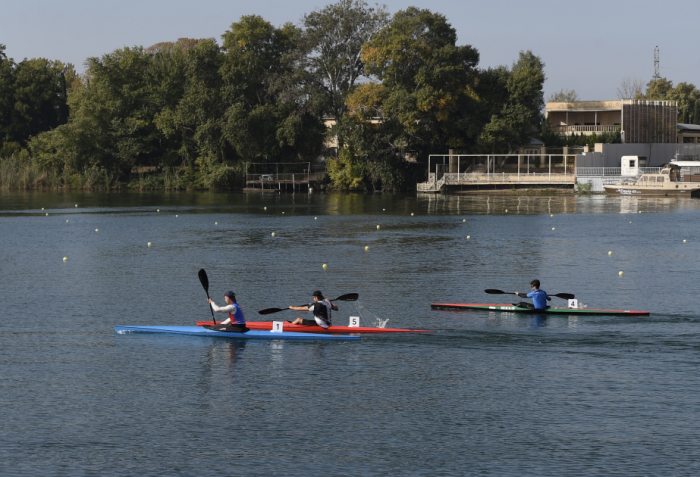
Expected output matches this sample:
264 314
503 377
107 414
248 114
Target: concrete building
639 121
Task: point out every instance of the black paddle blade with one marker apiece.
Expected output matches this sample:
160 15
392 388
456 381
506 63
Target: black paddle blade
493 291
565 296
267 311
204 279
348 297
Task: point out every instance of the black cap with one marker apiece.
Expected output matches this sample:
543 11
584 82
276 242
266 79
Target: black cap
318 294
231 295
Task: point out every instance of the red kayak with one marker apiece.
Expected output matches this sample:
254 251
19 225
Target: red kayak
267 325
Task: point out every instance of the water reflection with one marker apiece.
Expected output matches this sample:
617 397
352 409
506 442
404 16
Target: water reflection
538 321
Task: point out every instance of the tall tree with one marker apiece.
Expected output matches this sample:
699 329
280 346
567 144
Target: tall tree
657 89
332 47
520 117
6 96
266 118
687 96
630 88
427 81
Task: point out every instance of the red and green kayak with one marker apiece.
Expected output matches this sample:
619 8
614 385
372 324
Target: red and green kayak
548 311
267 325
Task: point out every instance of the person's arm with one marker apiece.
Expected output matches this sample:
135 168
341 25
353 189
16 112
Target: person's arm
531 294
299 308
333 306
221 309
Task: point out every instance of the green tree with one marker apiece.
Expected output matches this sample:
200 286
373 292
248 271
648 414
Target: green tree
520 117
564 96
266 117
332 49
687 96
657 89
427 82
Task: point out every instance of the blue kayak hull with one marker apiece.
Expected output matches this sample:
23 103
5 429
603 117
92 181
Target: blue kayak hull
248 335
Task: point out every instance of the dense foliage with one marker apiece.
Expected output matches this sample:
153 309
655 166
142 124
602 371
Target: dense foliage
365 92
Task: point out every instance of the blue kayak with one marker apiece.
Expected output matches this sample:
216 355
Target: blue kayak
248 335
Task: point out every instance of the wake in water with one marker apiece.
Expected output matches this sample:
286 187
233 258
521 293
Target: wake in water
375 321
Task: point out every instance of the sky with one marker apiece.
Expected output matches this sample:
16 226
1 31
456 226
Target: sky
589 47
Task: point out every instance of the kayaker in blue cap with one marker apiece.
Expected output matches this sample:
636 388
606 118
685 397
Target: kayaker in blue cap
321 309
539 297
235 314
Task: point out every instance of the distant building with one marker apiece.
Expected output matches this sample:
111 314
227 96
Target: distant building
639 121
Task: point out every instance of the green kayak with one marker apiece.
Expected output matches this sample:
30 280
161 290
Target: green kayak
546 311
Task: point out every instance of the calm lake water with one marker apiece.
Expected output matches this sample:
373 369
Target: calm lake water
489 394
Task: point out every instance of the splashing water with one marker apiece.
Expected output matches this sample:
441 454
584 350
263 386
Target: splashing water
374 320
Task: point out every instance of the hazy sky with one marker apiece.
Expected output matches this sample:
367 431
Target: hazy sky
587 46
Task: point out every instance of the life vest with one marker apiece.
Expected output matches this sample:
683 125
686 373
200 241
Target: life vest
322 310
235 319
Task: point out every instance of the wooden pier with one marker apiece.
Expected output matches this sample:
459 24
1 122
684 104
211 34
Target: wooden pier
276 177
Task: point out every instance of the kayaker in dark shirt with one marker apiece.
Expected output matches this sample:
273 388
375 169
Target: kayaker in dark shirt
321 309
539 297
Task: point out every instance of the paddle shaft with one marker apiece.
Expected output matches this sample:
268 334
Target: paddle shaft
346 297
564 296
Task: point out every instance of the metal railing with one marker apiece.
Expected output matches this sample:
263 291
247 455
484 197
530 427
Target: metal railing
611 171
588 128
454 178
281 177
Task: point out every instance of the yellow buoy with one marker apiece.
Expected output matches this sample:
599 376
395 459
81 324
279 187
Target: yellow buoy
551 215
377 225
273 234
315 218
282 213
367 247
325 265
216 223
264 208
97 230
506 211
621 273
469 236
149 244
76 205
630 221
552 228
610 253
157 210
65 259
640 211
47 213
66 221
176 216
42 208
411 214
684 241
384 210
464 220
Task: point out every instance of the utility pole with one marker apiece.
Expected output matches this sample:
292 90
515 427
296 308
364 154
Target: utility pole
657 75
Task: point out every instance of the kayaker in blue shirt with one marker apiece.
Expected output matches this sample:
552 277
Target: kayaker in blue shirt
539 297
235 319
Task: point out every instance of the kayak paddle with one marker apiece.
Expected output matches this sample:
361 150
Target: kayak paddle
348 297
565 296
205 283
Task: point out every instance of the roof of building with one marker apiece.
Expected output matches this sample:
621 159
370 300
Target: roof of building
689 127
